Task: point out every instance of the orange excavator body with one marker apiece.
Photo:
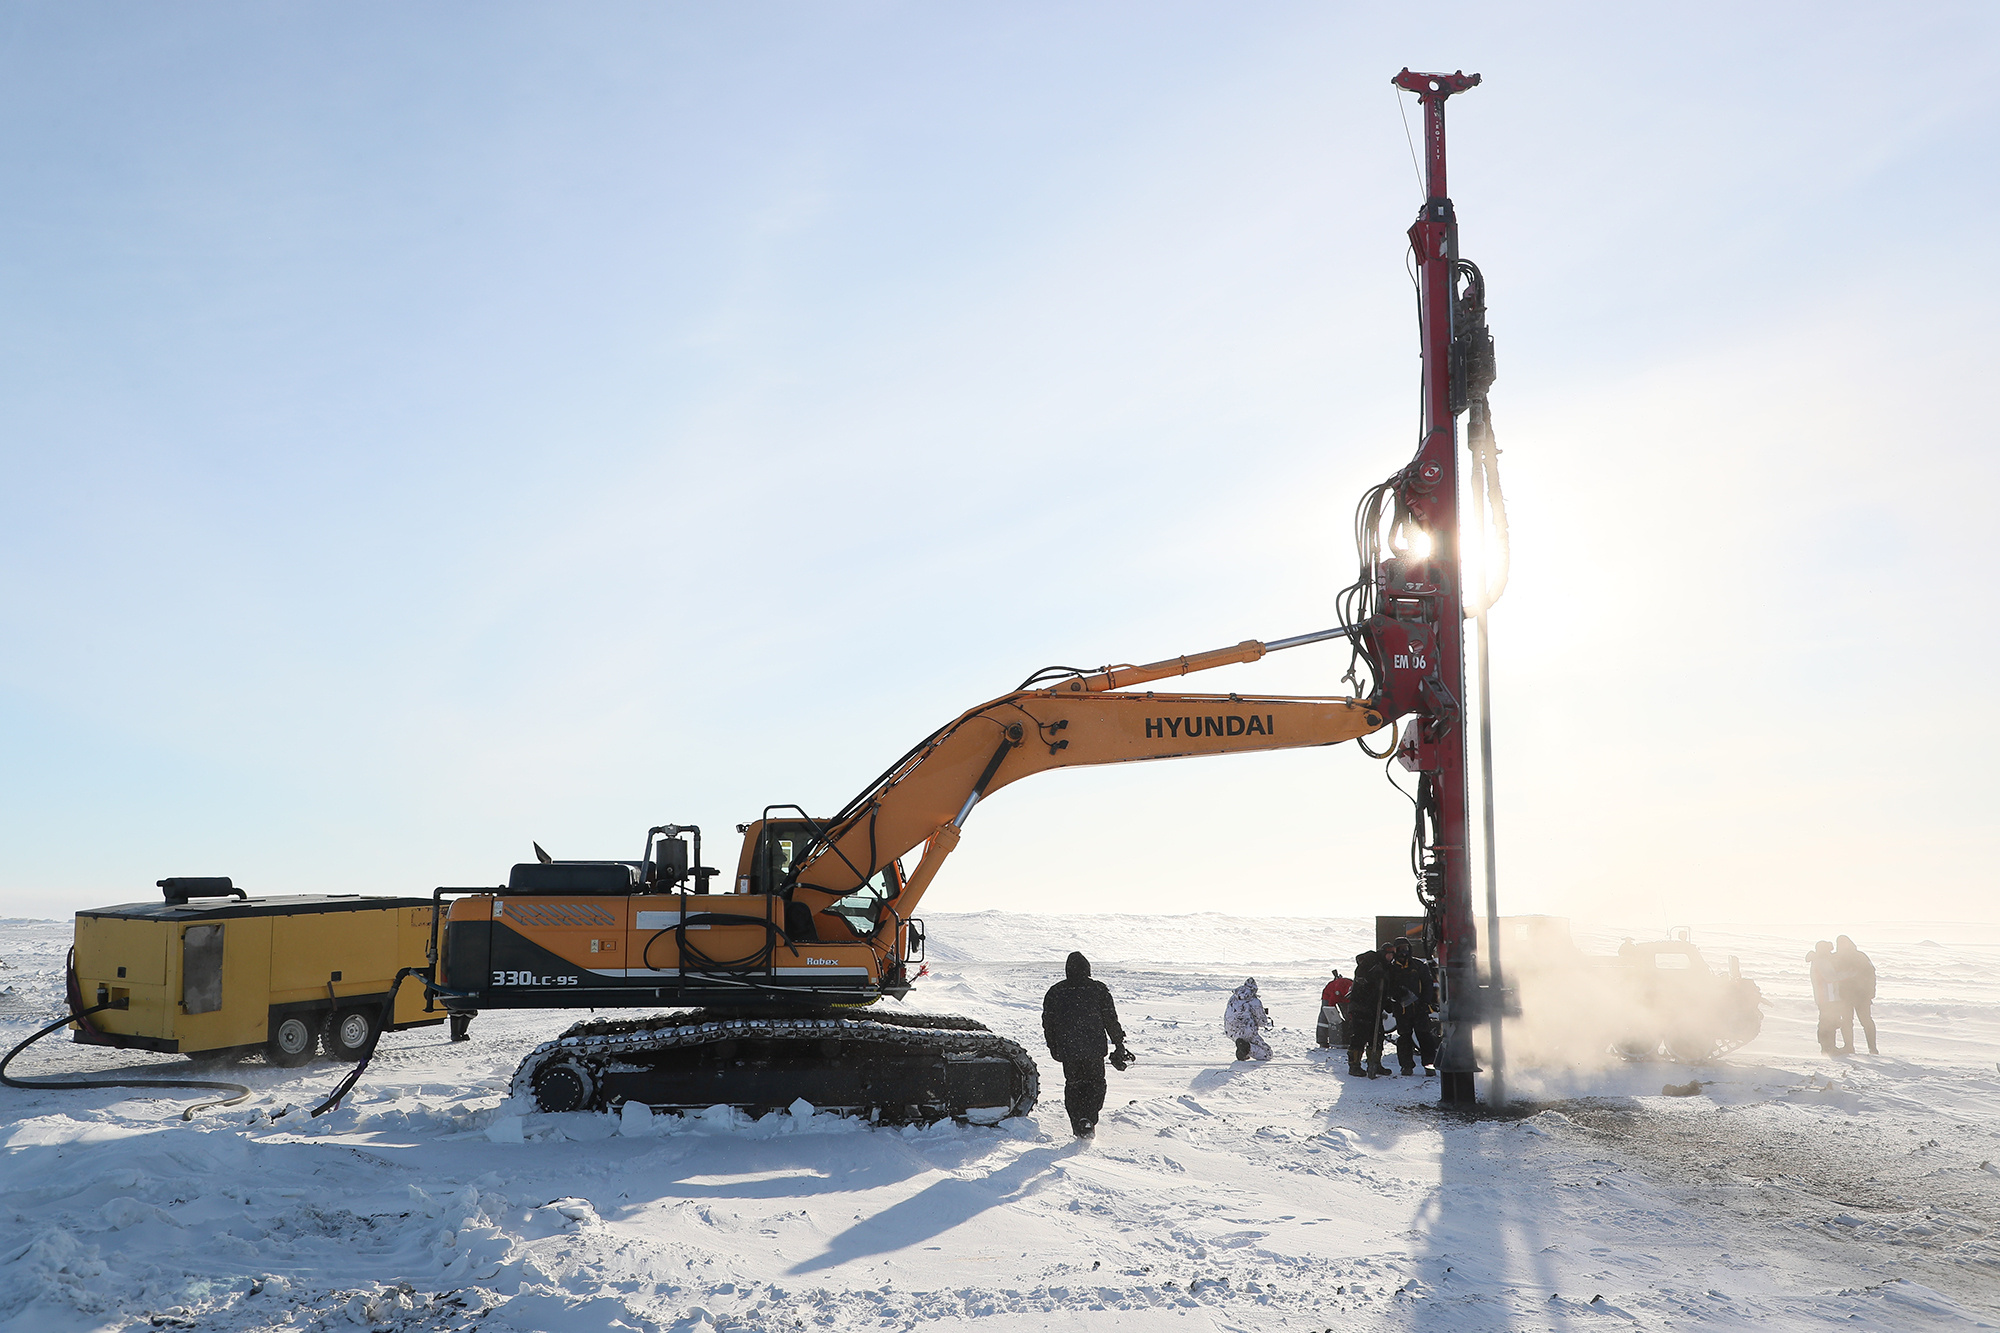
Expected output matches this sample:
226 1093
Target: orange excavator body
819 910
818 921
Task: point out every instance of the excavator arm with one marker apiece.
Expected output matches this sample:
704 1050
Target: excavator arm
925 798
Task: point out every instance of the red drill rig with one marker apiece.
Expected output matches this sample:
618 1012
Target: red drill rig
1406 612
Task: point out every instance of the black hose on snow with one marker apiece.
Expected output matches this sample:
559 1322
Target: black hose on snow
388 1016
77 1015
345 1086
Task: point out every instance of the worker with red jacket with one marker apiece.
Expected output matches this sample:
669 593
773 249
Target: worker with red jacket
1333 1010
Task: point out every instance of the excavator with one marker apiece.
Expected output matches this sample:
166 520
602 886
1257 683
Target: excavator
772 977
783 963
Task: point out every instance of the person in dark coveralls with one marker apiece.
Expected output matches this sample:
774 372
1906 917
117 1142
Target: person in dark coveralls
1854 977
1364 1015
1408 990
1080 1024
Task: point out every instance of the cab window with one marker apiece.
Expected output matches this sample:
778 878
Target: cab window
862 909
779 848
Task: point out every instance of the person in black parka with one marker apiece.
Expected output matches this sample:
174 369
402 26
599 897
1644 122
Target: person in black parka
1364 1009
1080 1024
1854 974
1409 990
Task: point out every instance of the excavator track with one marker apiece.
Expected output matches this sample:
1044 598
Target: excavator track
893 1068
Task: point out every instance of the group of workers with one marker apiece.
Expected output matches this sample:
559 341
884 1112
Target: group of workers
1391 997
1843 986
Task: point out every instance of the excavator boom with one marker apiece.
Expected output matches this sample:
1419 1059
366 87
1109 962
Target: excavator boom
1069 725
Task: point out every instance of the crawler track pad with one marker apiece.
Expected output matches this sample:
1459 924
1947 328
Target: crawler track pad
893 1067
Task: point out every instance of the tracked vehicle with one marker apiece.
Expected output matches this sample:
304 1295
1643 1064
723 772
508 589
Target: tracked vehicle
1677 1004
775 981
1652 998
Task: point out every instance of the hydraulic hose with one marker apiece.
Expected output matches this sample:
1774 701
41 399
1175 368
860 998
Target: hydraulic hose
340 1091
78 1015
381 1025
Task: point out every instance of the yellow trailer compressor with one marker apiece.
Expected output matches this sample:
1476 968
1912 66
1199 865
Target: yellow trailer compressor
213 972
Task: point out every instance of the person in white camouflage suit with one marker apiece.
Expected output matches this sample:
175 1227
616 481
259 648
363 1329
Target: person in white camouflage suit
1245 1021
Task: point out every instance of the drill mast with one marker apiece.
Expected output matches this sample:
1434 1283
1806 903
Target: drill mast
1417 633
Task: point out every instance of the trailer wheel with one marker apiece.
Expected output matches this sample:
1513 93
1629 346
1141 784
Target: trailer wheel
292 1042
347 1034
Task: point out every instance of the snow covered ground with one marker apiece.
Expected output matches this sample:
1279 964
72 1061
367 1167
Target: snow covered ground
1795 1191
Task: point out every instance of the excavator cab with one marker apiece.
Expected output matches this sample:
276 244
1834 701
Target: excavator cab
864 908
774 847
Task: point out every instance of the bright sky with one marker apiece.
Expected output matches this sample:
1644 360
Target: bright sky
431 428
